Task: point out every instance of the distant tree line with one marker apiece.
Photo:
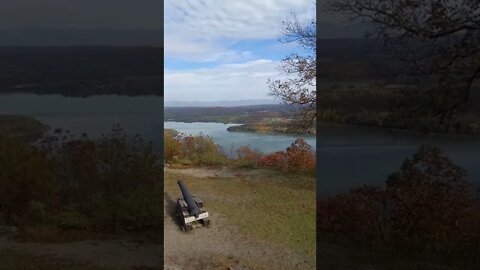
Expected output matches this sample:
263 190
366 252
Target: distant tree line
82 71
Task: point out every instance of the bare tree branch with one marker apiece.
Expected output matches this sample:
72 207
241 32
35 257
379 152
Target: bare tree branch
299 88
436 42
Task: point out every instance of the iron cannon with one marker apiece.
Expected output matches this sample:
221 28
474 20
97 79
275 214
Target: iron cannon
190 209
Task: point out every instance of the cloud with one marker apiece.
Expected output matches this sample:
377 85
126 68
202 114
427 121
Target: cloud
247 80
203 30
235 38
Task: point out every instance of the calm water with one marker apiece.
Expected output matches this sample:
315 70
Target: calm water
266 143
353 156
93 115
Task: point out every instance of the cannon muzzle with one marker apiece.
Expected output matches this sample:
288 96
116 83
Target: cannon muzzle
187 196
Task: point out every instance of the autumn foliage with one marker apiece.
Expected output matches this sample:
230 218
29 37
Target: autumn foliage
427 206
247 157
299 157
187 149
67 182
202 150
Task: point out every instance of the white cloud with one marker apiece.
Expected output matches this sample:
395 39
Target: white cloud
225 82
201 30
204 31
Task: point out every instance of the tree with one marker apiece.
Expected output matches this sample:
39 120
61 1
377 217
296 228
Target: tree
299 88
435 43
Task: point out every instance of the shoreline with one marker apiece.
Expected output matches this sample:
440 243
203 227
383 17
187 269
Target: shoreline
326 124
400 130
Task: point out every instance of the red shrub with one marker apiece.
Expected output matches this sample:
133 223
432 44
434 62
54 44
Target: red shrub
247 157
276 160
299 157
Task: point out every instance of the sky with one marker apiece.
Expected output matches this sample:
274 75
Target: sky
109 14
226 50
81 22
214 49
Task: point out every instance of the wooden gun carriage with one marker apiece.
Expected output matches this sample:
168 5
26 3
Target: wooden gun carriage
190 210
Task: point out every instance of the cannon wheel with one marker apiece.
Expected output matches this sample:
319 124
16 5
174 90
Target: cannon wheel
206 222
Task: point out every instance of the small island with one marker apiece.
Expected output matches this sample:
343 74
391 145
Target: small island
24 128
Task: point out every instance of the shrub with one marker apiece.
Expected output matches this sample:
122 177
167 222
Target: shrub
427 205
197 150
360 216
431 197
275 160
80 184
299 157
144 209
25 177
246 157
69 218
172 147
99 207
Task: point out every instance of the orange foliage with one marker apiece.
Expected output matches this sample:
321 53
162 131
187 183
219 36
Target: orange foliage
200 149
299 157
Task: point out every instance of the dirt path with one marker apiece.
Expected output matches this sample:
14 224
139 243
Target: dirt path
220 246
111 254
204 173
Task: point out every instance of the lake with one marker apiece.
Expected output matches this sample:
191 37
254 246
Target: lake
265 142
351 156
348 156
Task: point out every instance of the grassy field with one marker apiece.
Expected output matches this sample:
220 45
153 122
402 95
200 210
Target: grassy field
269 206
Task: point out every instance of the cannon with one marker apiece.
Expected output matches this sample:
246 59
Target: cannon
190 210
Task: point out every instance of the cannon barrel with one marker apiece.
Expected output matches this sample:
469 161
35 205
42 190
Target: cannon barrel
192 206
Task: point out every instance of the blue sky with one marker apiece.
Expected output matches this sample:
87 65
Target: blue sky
226 50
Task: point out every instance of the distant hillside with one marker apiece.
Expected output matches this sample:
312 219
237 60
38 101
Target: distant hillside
221 103
266 118
350 60
82 70
239 114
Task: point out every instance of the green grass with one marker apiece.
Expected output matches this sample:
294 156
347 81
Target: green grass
272 206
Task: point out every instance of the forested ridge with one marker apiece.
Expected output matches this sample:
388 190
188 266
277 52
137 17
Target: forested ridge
82 70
